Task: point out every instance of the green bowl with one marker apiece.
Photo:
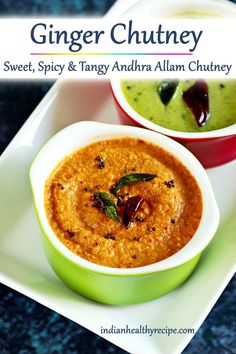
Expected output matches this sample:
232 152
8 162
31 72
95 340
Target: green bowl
119 286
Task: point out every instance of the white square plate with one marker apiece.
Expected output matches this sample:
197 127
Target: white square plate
23 265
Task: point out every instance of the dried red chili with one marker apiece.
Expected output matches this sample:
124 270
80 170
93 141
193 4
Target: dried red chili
131 207
196 98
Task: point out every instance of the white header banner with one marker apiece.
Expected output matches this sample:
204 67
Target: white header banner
97 48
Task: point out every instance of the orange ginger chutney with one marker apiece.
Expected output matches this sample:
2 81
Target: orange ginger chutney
123 203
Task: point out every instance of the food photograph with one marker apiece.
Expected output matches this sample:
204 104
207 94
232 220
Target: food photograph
117 203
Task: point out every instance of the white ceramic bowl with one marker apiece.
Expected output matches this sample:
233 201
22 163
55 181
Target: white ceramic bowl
173 8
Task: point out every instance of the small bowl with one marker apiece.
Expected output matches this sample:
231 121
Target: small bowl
212 148
108 285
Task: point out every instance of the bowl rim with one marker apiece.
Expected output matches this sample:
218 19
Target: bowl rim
101 131
136 117
211 4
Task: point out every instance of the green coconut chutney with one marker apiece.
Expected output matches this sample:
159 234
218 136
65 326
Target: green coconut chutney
144 98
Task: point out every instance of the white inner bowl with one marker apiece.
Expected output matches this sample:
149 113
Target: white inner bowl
169 8
81 134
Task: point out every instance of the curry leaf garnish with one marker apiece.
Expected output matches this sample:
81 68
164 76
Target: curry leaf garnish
166 90
104 202
130 179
